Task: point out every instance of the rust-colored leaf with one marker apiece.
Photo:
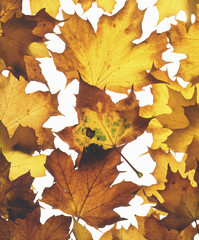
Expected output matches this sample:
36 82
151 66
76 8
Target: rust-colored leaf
86 193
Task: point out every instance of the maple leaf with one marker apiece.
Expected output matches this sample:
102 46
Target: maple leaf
16 197
131 233
186 43
162 161
102 59
23 36
106 6
180 202
169 8
102 122
75 191
80 232
51 6
167 125
9 8
56 227
152 229
32 110
18 150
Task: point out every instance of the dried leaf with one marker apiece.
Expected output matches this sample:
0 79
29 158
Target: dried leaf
18 151
186 43
106 6
9 8
152 229
80 232
101 58
51 6
75 191
31 228
23 36
16 197
102 122
131 233
169 8
180 202
32 110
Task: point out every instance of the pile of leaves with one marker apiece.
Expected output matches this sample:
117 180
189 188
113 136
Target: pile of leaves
103 60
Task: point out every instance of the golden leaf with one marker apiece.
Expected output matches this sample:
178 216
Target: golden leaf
101 58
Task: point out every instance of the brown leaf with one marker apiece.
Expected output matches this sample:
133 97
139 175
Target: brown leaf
86 193
180 202
31 228
152 229
102 122
102 59
23 36
32 110
16 197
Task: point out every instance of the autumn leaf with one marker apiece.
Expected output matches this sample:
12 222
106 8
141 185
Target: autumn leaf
81 232
180 202
169 129
169 8
102 122
9 8
102 59
32 110
16 197
18 151
75 191
23 36
186 43
106 6
162 160
56 227
51 6
152 229
131 233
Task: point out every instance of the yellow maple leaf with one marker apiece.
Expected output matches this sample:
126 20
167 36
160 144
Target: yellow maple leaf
131 233
18 151
107 6
186 43
51 6
33 110
172 7
101 58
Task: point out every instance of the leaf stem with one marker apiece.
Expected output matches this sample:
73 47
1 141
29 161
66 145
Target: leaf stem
139 174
